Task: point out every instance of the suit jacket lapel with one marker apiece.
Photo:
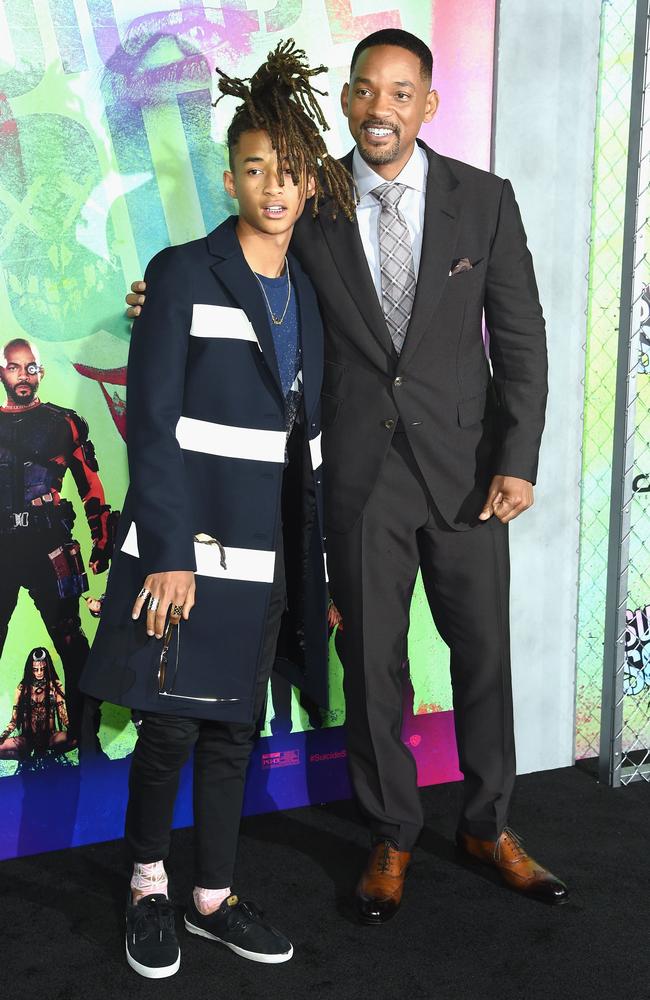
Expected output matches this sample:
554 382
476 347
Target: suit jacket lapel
233 271
441 219
350 260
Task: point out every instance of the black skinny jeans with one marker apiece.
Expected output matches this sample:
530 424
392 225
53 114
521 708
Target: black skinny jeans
221 754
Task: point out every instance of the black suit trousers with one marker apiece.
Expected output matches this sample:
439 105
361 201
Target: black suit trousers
373 569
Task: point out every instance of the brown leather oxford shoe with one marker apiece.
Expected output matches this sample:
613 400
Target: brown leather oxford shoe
515 866
380 888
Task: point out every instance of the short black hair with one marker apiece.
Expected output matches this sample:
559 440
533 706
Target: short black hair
402 40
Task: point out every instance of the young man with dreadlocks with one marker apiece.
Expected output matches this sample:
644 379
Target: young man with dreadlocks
223 517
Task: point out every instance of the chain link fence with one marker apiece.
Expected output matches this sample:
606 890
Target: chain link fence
606 251
625 729
613 679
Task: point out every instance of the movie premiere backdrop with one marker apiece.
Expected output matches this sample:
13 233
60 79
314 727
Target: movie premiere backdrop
109 151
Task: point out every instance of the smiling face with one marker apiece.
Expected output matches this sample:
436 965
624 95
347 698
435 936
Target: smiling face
21 374
269 201
386 103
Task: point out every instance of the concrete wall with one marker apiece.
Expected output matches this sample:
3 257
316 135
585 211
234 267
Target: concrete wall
547 67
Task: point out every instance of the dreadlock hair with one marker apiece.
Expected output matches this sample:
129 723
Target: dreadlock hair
51 683
279 99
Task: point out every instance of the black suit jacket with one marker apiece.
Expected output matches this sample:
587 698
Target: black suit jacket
467 419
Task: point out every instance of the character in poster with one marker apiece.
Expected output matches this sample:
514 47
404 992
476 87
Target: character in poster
221 538
39 719
39 443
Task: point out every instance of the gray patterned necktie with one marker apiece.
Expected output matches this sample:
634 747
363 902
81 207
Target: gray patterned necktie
396 263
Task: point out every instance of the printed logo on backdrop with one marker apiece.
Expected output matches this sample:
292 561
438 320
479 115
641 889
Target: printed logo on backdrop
643 365
319 758
641 483
636 677
281 758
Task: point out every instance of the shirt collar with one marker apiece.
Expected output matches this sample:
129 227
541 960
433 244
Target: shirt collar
413 174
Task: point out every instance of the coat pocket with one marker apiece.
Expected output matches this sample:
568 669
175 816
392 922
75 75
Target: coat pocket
472 411
184 681
333 375
329 410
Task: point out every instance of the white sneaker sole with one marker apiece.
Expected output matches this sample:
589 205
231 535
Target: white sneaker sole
253 956
150 972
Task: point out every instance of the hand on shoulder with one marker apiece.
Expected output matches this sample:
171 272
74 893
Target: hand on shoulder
135 298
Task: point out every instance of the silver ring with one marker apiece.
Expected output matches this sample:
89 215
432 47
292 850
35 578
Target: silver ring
153 604
143 592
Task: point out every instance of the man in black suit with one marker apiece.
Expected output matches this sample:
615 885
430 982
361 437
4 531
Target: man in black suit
430 450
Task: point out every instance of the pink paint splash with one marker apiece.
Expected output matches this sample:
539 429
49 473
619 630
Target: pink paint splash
462 43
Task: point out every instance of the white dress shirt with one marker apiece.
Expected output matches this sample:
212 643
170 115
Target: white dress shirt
411 206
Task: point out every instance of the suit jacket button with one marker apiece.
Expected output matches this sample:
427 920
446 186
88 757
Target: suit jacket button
398 381
389 424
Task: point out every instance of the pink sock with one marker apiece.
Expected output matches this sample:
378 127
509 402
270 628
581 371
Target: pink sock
209 900
149 879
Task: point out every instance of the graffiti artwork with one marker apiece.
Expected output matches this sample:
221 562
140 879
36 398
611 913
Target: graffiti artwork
636 678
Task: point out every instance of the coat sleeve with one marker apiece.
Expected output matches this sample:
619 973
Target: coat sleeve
158 493
517 343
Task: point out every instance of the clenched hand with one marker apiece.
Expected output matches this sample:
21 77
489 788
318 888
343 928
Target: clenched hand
507 498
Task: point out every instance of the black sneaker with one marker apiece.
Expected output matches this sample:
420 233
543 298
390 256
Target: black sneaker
151 942
241 927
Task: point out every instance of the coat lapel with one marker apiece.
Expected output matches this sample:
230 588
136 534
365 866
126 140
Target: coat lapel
441 220
311 332
235 274
350 260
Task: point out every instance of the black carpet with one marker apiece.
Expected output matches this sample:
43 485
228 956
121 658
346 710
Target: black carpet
458 935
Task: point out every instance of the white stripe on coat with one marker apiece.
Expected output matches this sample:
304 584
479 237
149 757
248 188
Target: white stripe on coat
221 323
230 442
316 454
250 565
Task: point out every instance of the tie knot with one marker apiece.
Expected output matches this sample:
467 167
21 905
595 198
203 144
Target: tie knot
389 194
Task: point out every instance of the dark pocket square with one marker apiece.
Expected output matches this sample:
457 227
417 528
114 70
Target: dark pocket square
460 264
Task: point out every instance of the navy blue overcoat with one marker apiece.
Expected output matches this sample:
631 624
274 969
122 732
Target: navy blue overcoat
206 446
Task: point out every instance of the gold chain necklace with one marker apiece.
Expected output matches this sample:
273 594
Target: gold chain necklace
277 321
